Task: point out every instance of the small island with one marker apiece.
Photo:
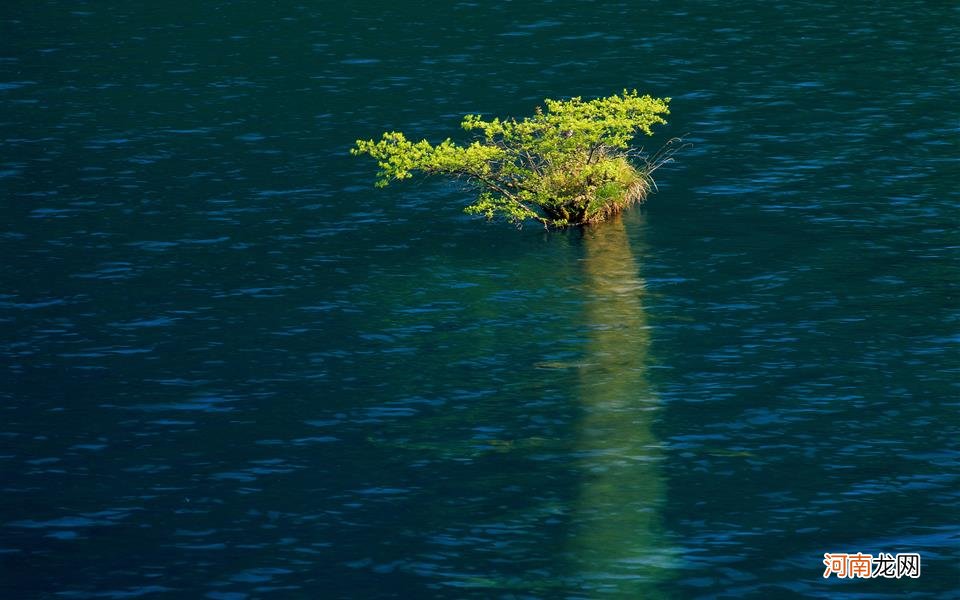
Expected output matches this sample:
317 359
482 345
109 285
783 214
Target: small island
570 164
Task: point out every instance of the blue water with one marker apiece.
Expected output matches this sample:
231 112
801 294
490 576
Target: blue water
230 368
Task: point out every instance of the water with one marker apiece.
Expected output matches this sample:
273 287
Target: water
231 369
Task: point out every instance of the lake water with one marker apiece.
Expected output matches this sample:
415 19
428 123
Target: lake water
230 368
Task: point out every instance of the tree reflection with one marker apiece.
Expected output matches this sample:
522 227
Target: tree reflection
617 547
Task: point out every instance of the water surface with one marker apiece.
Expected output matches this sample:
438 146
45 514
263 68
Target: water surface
232 369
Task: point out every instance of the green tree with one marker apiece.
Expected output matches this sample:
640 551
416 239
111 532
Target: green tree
569 164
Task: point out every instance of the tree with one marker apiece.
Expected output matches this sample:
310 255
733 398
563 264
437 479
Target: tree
569 164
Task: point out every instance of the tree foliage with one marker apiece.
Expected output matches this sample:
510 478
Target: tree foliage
568 164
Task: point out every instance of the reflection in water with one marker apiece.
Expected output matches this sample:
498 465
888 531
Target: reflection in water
618 548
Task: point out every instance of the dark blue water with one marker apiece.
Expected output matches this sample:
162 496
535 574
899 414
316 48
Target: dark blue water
230 368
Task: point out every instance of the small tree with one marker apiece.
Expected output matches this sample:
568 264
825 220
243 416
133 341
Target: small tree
569 164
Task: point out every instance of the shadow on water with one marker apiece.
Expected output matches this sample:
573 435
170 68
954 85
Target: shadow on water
526 462
618 548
